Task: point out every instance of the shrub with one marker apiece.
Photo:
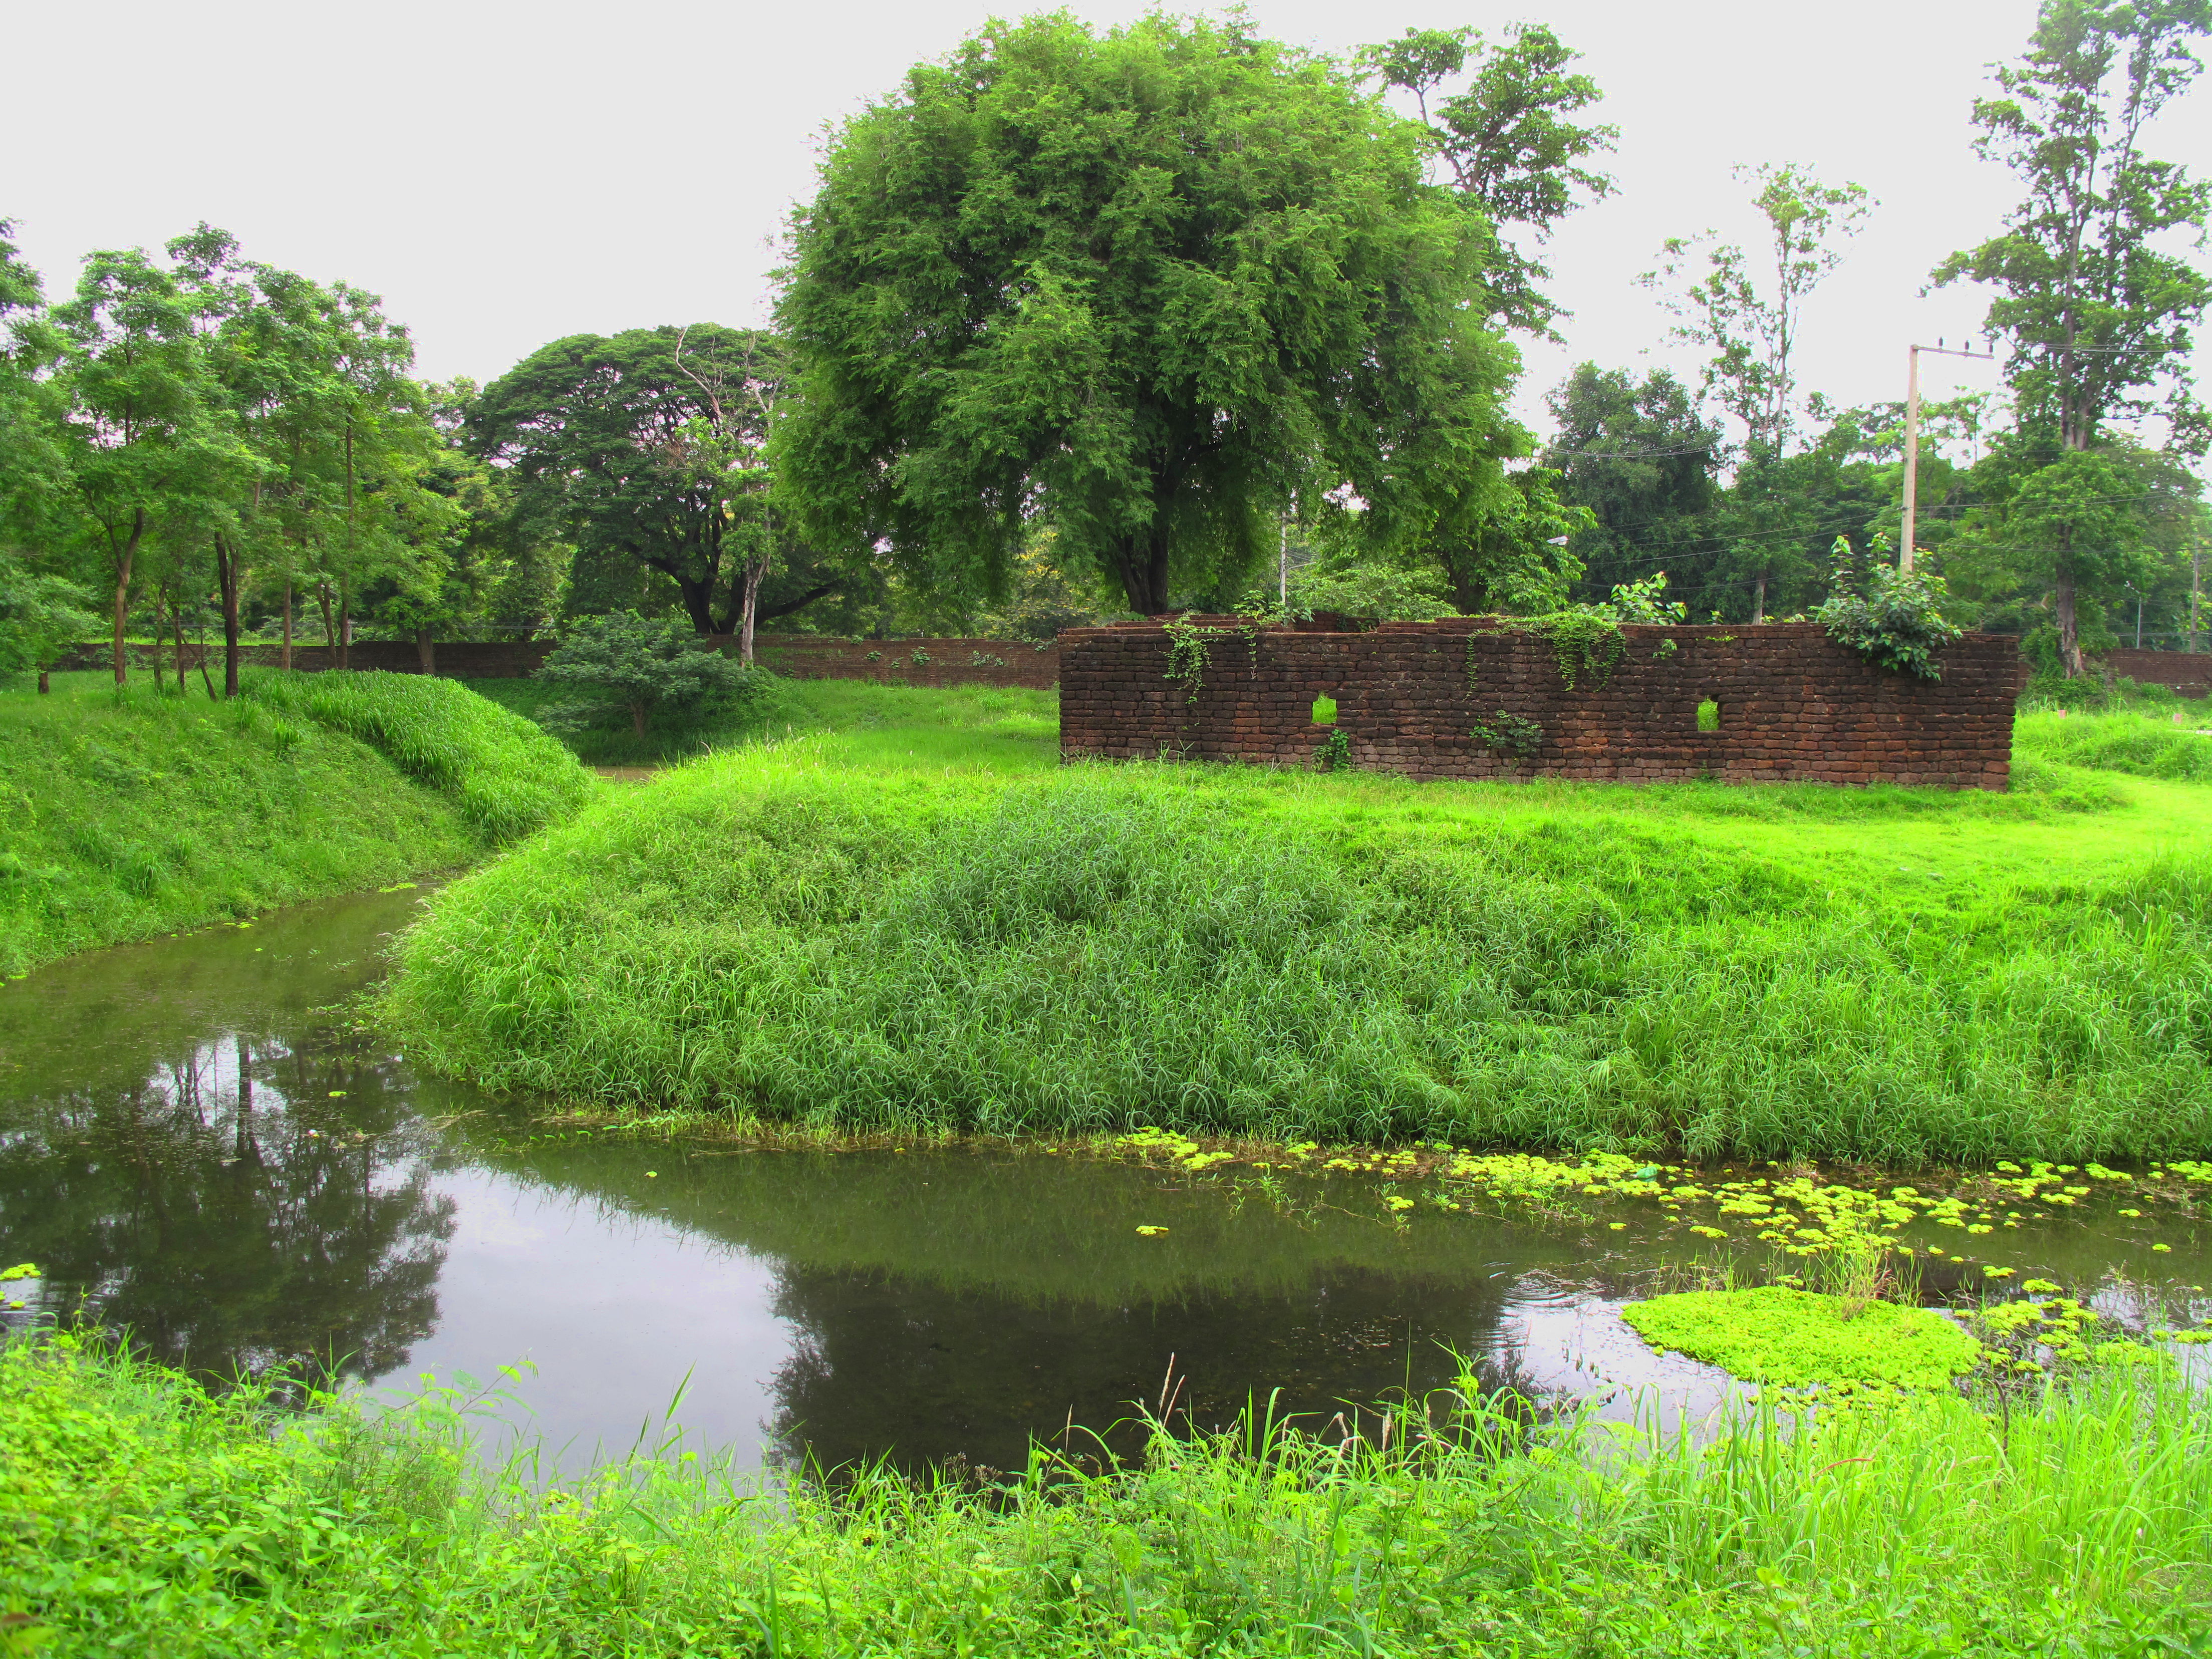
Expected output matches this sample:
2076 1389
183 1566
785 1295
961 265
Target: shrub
640 666
1895 623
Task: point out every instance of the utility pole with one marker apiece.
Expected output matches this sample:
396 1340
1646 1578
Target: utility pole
1913 438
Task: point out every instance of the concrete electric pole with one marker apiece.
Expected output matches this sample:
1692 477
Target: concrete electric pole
1912 437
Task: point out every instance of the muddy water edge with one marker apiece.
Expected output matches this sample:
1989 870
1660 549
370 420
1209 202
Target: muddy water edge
198 1145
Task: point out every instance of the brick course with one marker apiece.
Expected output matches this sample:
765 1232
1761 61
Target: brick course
1794 705
2188 673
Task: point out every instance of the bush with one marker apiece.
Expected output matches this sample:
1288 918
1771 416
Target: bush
507 777
1895 623
640 666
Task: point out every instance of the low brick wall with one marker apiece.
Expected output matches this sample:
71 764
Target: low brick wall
802 656
2188 673
946 662
1793 704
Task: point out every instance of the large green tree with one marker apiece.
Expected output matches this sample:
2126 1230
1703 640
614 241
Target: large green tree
644 450
1147 287
2093 298
1510 139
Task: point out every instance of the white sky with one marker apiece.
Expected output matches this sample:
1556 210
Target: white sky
504 174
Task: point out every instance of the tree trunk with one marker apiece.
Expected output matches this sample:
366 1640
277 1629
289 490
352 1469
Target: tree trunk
159 623
330 628
46 686
753 575
1141 562
638 711
230 574
288 624
123 584
425 650
2069 631
345 623
176 625
1759 602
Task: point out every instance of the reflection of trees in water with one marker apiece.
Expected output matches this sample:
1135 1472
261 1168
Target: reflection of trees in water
231 1211
887 1365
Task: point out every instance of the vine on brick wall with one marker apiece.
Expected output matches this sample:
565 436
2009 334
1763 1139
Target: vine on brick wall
1189 651
1588 644
1509 734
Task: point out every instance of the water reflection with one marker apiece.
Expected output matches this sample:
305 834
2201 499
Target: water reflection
196 1144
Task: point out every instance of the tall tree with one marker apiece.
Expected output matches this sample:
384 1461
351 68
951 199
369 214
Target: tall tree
148 447
1509 139
1642 457
627 446
1751 319
1146 288
2093 304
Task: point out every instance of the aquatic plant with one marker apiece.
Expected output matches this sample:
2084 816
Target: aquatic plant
1779 1333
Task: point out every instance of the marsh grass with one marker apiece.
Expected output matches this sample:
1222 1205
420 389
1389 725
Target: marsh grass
2076 1523
1238 953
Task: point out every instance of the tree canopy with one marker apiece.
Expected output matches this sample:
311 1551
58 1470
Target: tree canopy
645 450
1147 286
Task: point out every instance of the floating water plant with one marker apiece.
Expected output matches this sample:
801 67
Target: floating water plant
1775 1334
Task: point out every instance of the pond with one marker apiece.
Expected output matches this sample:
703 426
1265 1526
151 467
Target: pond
198 1145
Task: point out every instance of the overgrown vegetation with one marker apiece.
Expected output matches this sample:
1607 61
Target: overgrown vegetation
142 814
2147 745
1755 972
148 1516
507 776
1894 621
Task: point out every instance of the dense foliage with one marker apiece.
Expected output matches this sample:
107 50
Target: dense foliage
1148 285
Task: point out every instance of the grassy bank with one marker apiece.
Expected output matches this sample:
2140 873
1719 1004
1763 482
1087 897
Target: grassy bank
143 1516
1888 976
143 814
2147 744
867 724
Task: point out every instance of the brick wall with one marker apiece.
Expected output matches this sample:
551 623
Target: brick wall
802 656
1793 704
951 662
2187 672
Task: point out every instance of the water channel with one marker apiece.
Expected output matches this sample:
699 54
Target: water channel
198 1145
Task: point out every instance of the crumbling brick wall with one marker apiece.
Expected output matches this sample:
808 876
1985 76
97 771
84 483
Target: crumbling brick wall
1792 704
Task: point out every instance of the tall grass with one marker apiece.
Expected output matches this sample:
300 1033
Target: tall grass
142 814
2149 745
1228 951
142 1514
507 777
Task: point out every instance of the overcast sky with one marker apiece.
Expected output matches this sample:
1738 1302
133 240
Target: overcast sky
504 174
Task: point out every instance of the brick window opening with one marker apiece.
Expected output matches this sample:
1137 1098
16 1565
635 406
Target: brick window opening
1324 710
1709 715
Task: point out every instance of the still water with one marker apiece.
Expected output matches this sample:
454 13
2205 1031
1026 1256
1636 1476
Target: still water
197 1146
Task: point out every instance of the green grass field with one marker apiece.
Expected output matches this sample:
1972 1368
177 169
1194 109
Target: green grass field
912 920
144 1516
144 814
